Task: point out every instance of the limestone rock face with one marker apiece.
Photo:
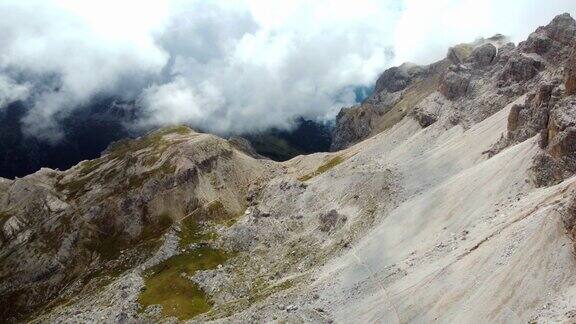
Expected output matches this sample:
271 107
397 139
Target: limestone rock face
528 119
478 76
553 117
397 78
562 129
397 91
553 40
353 124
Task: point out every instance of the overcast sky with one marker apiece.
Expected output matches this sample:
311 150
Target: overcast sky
231 66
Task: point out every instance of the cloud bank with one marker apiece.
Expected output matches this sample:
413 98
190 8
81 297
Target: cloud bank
230 66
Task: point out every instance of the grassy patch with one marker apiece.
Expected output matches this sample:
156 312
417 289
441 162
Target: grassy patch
323 168
166 284
180 130
88 167
153 140
75 187
190 232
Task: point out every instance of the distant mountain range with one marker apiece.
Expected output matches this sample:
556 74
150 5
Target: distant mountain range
89 130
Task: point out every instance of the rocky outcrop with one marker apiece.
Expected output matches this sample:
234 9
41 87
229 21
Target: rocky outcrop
521 67
531 118
397 91
458 54
455 84
465 76
561 132
484 55
554 118
554 40
397 78
352 125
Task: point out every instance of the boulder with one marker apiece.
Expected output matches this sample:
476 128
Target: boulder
454 84
458 54
331 220
521 67
513 118
425 119
484 55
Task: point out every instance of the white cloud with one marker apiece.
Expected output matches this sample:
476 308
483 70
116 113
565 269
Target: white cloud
231 66
426 29
11 91
70 55
280 61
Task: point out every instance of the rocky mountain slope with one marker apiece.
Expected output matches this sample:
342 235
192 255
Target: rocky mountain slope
456 204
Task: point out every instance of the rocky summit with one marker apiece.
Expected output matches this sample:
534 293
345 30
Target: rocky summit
450 196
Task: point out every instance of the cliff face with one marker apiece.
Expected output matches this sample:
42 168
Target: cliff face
461 78
397 90
459 208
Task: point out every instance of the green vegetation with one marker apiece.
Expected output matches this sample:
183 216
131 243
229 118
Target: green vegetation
274 147
166 284
323 168
88 167
190 232
157 228
153 140
213 211
190 229
75 188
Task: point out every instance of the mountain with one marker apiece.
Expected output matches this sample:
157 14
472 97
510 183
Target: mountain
87 132
452 198
280 145
90 129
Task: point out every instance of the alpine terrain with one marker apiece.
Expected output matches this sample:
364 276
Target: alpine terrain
449 196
